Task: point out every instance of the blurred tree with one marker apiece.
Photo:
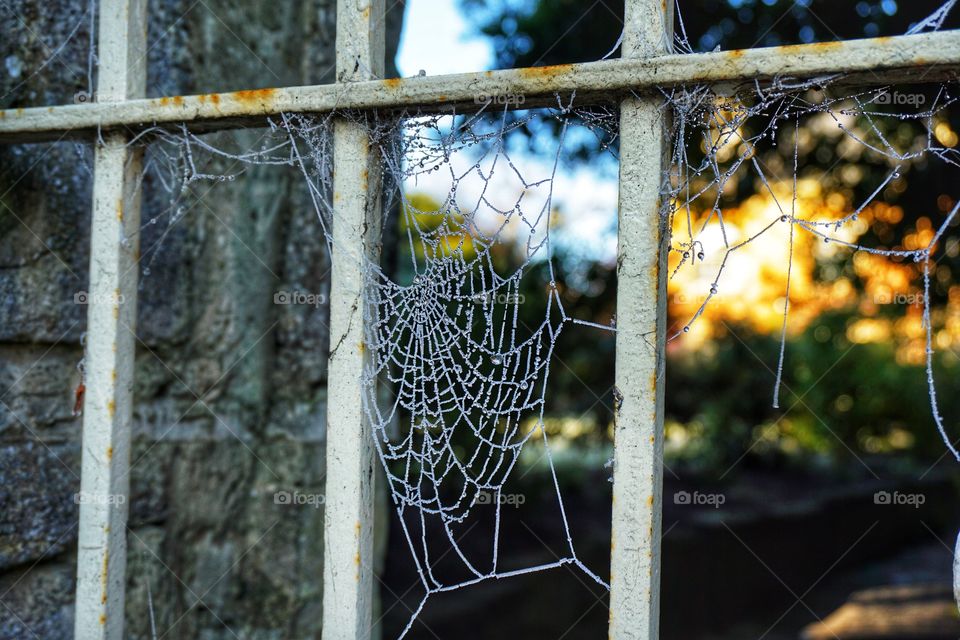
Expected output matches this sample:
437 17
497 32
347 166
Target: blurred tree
868 405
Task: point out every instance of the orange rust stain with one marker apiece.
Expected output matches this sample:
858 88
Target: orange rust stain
254 96
120 209
103 575
366 13
736 53
202 98
111 407
550 71
649 501
3 114
178 100
103 619
356 559
361 347
78 394
109 453
113 375
164 101
391 83
816 46
215 98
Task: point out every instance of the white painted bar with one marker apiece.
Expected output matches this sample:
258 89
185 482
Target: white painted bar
109 358
930 57
348 528
641 318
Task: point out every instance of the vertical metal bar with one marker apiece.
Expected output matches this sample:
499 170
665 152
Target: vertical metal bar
641 318
348 528
111 316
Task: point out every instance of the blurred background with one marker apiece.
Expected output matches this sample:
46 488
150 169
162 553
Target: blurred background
833 516
802 534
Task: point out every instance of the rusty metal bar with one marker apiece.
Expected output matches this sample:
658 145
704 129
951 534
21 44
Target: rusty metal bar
348 528
111 315
642 243
928 57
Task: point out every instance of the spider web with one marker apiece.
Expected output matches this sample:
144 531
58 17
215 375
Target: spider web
751 117
457 380
465 375
452 347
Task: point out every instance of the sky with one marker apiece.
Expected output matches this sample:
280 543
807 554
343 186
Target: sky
438 39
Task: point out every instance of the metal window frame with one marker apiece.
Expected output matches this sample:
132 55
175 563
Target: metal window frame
121 110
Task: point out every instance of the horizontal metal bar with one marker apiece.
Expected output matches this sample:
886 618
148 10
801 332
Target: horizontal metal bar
925 57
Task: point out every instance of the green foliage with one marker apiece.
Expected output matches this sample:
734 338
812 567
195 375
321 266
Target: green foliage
840 401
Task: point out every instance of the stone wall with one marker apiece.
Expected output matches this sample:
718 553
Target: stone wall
230 389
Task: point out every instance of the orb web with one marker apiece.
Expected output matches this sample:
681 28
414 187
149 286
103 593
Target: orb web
457 380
